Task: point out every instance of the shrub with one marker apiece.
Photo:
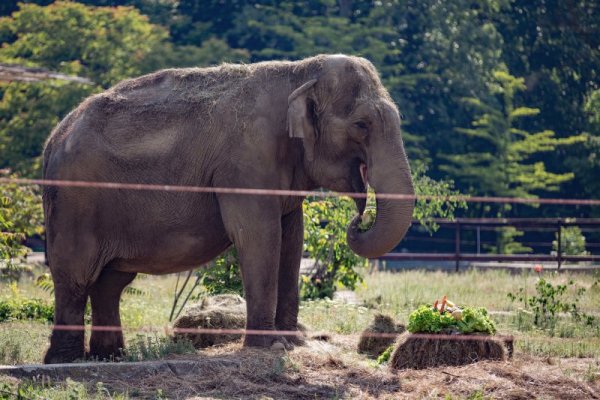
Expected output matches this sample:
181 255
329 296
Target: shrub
223 276
20 216
549 301
572 242
24 309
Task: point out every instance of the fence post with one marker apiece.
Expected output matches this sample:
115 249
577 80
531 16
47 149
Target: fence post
559 243
457 245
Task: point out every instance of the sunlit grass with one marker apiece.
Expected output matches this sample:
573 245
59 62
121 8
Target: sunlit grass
401 291
396 294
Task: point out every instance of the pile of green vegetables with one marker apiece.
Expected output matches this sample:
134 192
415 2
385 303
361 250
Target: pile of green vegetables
450 320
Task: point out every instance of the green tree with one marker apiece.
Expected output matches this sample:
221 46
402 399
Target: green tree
325 223
503 159
28 112
585 158
506 163
103 44
20 216
555 45
448 50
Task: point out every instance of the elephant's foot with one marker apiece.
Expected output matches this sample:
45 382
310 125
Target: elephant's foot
63 356
299 339
274 342
106 346
109 353
57 354
65 347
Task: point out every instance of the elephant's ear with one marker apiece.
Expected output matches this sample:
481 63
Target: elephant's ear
300 124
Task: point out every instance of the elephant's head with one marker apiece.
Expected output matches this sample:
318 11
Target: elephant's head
350 128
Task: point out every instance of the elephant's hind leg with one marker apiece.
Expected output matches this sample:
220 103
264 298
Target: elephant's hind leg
105 294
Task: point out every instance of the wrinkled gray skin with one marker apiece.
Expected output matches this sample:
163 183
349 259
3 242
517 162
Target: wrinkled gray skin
275 125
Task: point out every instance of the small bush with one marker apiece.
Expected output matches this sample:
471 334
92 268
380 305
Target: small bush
20 216
223 277
572 242
549 301
26 309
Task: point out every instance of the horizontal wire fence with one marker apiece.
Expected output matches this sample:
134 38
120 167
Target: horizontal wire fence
278 192
297 193
169 330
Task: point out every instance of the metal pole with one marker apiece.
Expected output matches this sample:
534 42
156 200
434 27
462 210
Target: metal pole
478 239
559 240
457 245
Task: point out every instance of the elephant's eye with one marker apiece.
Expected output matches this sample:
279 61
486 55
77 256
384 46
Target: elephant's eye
359 131
362 125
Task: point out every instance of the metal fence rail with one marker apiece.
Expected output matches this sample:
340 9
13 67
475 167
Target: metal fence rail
458 255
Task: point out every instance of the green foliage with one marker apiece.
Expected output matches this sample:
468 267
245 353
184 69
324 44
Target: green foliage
28 113
444 205
431 56
46 389
585 160
503 157
386 355
18 308
20 216
223 276
143 348
476 320
572 242
325 223
428 320
105 44
549 301
506 243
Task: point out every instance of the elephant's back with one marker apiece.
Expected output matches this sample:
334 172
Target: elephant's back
164 118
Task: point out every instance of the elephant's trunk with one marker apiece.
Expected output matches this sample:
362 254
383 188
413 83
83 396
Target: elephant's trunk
389 173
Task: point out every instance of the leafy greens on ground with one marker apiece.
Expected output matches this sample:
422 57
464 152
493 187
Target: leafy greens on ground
430 320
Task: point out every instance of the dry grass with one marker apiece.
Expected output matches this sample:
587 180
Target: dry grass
335 371
373 345
224 311
421 352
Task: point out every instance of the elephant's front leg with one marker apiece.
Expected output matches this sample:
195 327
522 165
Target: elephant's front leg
286 317
254 227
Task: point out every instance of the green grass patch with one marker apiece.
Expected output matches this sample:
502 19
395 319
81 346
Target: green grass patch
143 348
396 294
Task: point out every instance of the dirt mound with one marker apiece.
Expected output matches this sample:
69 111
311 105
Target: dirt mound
224 311
373 345
419 351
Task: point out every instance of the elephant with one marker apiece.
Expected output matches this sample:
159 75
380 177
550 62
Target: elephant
321 122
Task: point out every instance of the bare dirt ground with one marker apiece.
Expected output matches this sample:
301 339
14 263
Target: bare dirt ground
333 370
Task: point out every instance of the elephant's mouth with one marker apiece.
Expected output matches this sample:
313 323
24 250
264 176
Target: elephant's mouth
359 183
